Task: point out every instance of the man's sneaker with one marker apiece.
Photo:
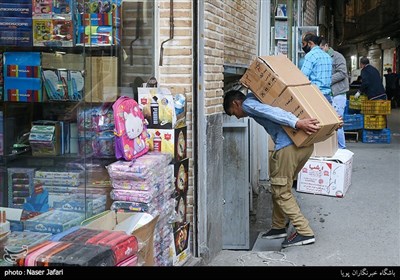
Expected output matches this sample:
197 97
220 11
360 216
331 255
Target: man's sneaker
275 233
297 239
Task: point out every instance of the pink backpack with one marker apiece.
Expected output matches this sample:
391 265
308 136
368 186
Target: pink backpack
130 129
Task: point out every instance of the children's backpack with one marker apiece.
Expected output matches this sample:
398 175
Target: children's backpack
130 129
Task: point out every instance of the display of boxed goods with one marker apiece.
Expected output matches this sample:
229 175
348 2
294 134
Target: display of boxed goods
16 241
382 136
329 176
53 32
15 9
374 121
15 37
180 249
161 109
54 221
353 121
45 138
276 81
98 24
326 148
172 141
96 131
22 80
16 31
90 204
140 225
42 8
20 186
63 84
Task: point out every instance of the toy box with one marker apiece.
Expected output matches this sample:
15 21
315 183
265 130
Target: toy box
172 141
161 109
45 138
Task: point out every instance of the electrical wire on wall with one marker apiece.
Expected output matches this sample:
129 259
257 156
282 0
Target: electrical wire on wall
171 30
139 9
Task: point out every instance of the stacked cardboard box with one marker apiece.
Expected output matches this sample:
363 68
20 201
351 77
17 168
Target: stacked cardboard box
276 81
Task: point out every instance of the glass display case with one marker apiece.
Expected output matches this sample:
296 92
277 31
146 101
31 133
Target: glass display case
62 68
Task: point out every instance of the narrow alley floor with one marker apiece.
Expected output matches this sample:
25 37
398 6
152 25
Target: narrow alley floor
360 229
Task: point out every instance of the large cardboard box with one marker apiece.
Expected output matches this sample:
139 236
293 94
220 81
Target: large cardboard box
101 81
326 148
327 176
308 102
269 76
109 220
276 81
172 141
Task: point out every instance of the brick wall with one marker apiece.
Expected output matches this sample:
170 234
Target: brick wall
240 32
176 72
229 37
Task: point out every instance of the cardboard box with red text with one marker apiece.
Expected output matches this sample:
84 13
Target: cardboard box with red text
327 176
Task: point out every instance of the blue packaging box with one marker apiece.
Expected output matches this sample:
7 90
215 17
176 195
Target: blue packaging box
17 38
54 221
22 58
23 89
18 23
17 1
15 10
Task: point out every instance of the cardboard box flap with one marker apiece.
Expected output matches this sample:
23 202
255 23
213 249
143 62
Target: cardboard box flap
12 214
286 70
341 156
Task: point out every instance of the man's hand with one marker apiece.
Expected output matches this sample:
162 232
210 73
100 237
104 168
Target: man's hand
357 95
309 126
341 122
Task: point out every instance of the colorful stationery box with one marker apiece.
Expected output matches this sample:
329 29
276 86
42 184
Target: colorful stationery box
54 221
15 10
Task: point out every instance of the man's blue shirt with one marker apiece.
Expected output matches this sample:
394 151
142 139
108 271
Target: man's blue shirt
271 118
317 66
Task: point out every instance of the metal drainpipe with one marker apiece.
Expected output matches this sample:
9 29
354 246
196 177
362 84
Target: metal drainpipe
138 24
290 26
171 30
195 126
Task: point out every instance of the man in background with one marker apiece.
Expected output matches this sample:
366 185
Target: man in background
392 86
371 83
339 85
317 65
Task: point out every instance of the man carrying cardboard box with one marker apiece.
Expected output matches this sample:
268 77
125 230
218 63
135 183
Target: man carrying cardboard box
286 162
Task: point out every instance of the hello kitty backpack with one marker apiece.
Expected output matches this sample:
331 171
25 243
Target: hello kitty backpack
130 129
